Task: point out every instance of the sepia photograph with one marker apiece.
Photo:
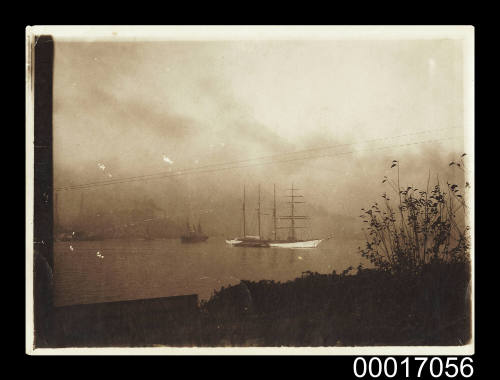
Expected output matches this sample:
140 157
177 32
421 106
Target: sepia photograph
250 189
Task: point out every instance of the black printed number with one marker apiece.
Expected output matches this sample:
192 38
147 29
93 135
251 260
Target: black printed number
451 368
375 367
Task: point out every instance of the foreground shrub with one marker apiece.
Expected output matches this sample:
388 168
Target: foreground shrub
417 227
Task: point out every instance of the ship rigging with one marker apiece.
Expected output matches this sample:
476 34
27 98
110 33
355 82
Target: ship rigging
291 242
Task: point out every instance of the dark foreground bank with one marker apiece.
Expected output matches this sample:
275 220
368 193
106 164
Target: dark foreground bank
369 307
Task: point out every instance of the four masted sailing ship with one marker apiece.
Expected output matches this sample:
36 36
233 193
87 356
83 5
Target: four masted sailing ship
291 242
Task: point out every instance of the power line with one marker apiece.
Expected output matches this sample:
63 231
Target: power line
223 166
152 176
258 158
198 171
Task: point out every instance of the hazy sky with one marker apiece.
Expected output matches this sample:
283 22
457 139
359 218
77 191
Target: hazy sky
131 108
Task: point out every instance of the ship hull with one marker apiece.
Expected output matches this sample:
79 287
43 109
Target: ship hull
296 244
233 241
252 244
239 240
275 244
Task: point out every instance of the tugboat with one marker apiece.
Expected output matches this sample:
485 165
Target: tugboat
193 234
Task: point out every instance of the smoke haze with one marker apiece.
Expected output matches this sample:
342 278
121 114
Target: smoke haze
126 109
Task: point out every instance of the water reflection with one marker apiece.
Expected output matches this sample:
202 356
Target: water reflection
244 256
274 258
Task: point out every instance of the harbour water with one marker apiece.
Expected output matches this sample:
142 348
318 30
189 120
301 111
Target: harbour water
117 270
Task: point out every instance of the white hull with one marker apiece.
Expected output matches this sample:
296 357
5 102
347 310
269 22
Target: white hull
240 240
293 245
297 244
233 241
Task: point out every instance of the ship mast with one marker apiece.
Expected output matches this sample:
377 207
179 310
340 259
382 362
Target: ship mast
258 213
274 210
292 216
244 221
292 204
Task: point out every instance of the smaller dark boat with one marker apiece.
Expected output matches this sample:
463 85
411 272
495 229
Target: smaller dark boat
193 235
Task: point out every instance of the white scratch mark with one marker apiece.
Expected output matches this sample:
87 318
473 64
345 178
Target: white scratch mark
101 166
71 248
167 160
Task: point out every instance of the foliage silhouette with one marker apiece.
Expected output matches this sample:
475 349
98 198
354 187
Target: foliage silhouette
420 227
